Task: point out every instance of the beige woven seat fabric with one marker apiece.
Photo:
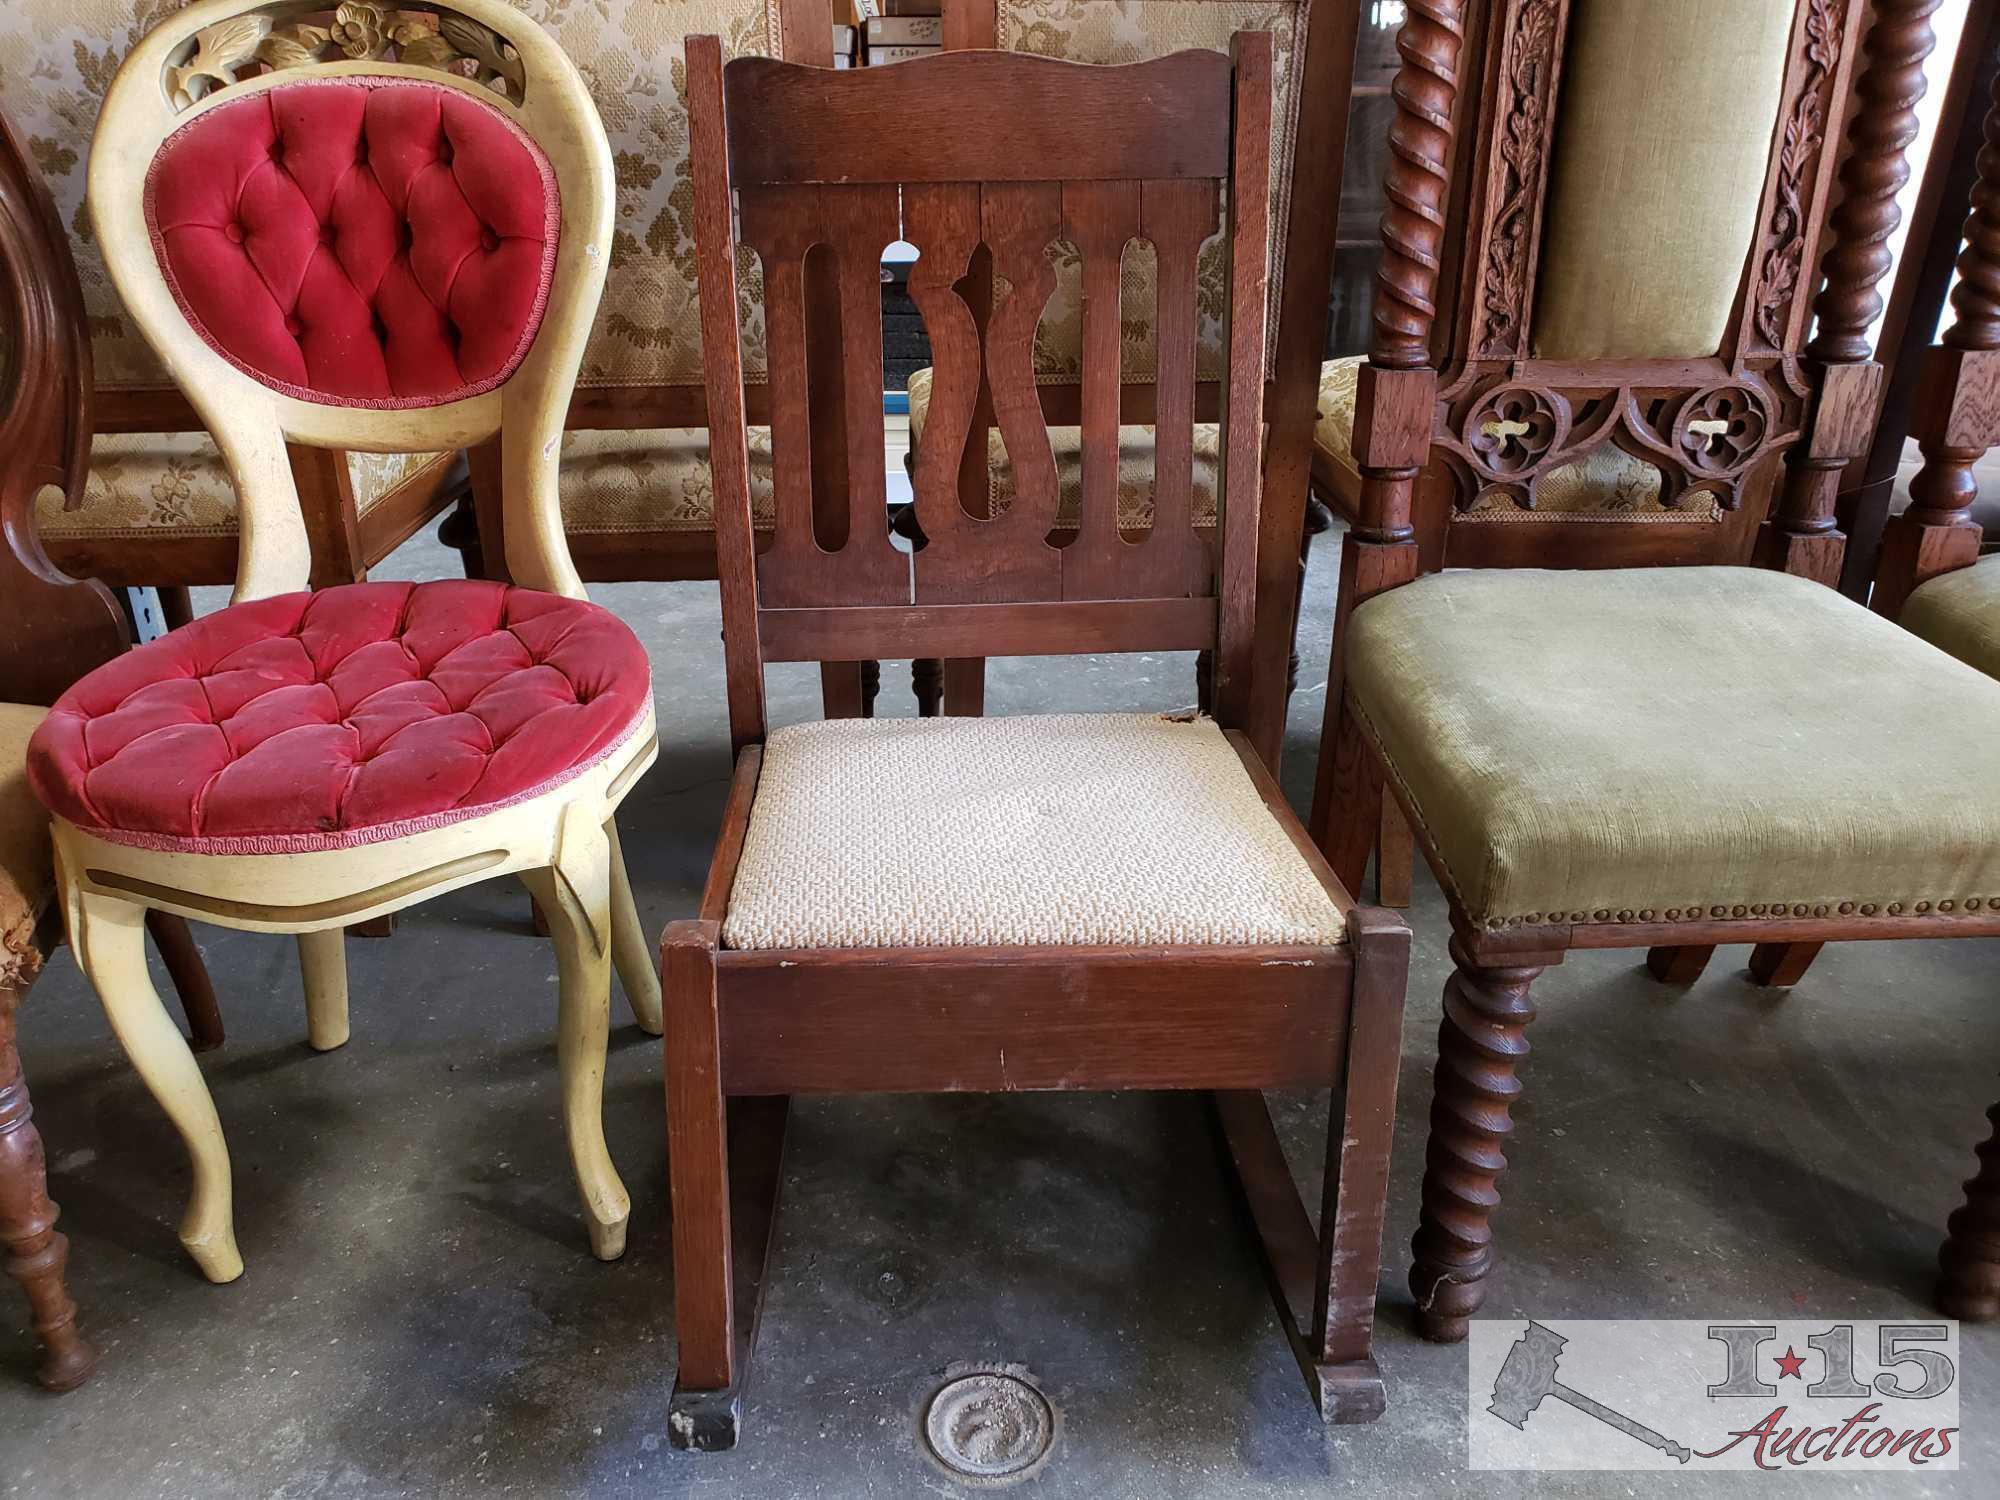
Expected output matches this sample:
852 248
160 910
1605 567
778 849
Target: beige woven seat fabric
1608 482
1960 613
1069 829
1135 466
1664 744
653 480
146 483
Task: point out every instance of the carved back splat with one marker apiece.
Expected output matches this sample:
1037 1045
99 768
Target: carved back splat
1022 151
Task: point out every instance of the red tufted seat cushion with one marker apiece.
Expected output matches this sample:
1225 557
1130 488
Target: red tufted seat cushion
378 242
341 717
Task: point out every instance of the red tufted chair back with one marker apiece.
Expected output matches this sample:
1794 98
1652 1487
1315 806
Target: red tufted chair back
365 229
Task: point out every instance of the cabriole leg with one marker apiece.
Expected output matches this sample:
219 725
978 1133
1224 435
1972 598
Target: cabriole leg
1481 1042
576 895
108 936
631 954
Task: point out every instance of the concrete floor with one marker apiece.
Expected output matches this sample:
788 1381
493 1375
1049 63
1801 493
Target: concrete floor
421 1315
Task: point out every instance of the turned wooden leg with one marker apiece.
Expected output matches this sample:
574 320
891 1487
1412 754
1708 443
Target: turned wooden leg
1480 1046
190 976
108 937
576 895
1969 1287
176 604
1682 965
323 964
706 1410
871 687
36 1254
927 682
964 687
631 954
1779 966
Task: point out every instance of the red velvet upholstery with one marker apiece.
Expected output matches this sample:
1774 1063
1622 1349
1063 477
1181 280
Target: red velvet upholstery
346 716
358 241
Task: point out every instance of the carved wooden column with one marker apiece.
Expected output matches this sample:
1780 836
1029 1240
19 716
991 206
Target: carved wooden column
1395 409
1957 410
1802 536
35 1252
1969 1287
1481 1043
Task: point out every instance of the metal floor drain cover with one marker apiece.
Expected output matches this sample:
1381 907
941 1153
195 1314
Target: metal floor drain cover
990 1427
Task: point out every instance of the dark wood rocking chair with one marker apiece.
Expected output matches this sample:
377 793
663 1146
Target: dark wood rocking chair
1596 744
845 943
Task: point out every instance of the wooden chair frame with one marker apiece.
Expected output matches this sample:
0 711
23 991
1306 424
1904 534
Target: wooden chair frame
54 631
562 843
957 686
1826 392
748 1028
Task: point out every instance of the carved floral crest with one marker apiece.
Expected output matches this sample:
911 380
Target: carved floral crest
355 31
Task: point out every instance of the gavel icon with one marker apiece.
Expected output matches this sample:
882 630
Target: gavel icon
1529 1374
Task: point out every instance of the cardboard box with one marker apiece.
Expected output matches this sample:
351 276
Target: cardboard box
904 31
881 56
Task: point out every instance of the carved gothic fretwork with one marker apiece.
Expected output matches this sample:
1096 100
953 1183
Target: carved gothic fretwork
1517 176
1781 264
1499 437
283 36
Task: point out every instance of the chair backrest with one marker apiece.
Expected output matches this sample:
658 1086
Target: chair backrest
53 629
814 162
382 238
1622 247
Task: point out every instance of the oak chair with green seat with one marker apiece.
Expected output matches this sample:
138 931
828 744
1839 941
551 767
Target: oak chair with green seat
1611 732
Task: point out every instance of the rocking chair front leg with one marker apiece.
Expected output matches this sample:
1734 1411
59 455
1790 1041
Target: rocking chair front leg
1481 1042
1969 1286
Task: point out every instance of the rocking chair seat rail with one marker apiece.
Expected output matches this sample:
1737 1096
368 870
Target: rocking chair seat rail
385 256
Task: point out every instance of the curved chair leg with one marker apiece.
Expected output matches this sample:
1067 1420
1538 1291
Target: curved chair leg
1481 1042
36 1254
576 894
190 976
323 963
631 954
108 936
1969 1287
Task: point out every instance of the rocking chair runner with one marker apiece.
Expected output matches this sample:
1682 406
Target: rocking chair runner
1596 751
1070 901
385 256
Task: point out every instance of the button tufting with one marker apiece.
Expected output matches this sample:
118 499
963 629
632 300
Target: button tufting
233 232
326 235
488 240
293 326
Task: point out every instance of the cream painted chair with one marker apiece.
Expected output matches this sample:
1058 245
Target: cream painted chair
399 249
158 507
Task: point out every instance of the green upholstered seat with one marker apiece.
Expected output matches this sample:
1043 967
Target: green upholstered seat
1660 744
1960 613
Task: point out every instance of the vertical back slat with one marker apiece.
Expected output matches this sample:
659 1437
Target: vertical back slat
942 220
1249 613
781 241
1020 221
722 363
859 223
1099 218
1177 216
